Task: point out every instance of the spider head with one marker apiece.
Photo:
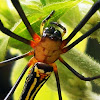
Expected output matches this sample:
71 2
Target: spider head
52 33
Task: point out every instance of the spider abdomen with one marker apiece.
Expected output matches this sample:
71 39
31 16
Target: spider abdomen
48 50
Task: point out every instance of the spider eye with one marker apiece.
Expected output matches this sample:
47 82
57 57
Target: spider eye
52 33
57 33
52 29
46 30
49 30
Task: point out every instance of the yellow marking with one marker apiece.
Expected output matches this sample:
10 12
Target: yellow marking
37 71
41 71
36 90
41 28
46 77
31 88
48 73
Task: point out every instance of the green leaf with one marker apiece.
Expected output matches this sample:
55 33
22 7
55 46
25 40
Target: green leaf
55 1
35 20
31 7
3 46
43 2
7 15
77 13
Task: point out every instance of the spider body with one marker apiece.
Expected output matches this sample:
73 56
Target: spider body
48 49
37 76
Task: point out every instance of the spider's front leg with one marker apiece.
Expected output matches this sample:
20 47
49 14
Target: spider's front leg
94 8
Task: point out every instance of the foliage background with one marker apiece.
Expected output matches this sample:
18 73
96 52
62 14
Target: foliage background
69 13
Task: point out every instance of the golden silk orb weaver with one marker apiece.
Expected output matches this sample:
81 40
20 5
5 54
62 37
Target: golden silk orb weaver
46 50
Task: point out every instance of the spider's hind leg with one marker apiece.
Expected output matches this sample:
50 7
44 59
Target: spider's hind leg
78 74
57 80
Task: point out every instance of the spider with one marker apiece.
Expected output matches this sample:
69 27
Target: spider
46 50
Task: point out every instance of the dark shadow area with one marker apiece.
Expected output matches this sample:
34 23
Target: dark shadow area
93 49
5 72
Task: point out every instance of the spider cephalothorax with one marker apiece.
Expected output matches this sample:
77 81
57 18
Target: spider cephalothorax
48 49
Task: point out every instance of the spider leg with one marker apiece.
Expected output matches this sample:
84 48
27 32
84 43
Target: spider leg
16 84
23 16
77 74
81 38
93 9
11 34
44 21
16 58
31 63
59 25
57 80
